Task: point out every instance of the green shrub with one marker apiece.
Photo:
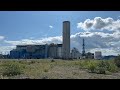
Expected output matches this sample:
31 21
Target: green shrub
101 67
101 70
105 66
84 64
92 66
52 60
45 70
111 67
117 61
11 69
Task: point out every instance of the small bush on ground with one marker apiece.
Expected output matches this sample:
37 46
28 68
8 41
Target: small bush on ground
52 60
111 66
117 61
11 69
101 68
92 66
106 66
45 70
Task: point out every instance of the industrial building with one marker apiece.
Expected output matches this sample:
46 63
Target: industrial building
45 51
90 55
55 51
75 54
37 51
52 50
66 40
1 56
98 55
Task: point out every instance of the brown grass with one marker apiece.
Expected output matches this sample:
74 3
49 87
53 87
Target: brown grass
59 69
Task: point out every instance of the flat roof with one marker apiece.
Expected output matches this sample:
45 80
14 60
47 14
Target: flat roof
65 21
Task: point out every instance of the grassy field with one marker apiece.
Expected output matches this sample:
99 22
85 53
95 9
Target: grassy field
58 69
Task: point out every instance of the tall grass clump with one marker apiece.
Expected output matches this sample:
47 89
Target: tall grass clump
100 67
92 66
83 64
12 69
111 66
106 66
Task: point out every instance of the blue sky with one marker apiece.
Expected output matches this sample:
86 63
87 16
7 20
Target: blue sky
36 25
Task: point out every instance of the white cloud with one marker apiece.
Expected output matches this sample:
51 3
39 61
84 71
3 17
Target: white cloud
99 23
50 27
57 39
97 41
2 37
6 49
105 51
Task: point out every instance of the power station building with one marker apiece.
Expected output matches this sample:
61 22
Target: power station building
37 51
66 40
46 51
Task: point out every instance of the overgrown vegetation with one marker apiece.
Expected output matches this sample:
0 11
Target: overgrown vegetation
12 68
98 66
92 66
45 69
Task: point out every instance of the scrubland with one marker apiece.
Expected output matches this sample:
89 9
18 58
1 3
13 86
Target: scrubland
58 69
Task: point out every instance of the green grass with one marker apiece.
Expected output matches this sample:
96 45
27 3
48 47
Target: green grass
57 69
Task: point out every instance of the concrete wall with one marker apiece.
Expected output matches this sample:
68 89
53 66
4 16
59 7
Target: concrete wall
66 40
59 52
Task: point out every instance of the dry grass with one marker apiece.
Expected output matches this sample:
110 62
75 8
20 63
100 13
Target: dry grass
59 69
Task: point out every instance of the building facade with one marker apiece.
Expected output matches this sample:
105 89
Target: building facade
90 55
36 51
98 55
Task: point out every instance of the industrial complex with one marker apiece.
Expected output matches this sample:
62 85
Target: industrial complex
37 51
55 51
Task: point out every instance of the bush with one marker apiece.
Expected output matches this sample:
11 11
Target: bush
105 66
84 64
52 60
92 66
111 67
45 70
102 67
11 69
117 61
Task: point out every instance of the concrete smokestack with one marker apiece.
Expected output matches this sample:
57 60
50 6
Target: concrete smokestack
66 40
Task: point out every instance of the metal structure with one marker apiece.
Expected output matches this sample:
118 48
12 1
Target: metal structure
83 49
